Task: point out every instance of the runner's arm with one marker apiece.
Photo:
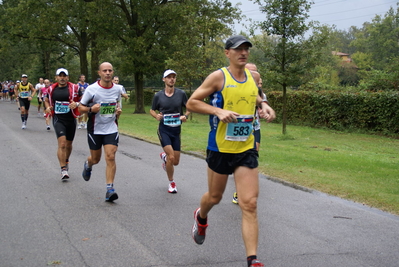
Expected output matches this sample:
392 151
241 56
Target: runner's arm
212 83
33 90
47 105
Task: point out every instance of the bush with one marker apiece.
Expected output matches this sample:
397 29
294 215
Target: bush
370 111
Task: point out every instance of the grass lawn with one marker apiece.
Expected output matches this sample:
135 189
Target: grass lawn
363 168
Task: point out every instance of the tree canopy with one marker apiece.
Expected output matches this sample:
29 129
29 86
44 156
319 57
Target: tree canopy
142 38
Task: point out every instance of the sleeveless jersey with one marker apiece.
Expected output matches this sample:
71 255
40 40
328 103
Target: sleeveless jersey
239 97
24 90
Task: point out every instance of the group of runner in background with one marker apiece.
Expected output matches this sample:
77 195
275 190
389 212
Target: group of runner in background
95 107
8 94
7 91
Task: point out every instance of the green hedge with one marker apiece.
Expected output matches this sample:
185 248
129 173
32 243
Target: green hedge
371 111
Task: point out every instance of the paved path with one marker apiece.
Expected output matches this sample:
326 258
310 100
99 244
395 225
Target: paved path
45 221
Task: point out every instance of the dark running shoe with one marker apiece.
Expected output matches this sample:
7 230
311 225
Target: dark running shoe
86 174
198 230
111 195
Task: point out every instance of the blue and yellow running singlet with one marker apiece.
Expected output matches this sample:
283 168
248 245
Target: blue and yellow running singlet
239 97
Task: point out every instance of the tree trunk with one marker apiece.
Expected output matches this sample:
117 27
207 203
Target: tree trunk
284 108
139 90
46 64
94 63
283 62
83 45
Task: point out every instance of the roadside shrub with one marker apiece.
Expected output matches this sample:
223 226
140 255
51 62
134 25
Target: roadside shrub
370 111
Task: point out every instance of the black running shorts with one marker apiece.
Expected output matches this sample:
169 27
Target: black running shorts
226 163
65 128
169 136
96 141
24 102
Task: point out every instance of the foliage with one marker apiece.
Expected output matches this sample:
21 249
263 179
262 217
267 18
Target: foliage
372 112
341 40
56 28
291 55
142 33
200 41
379 39
149 32
348 74
378 80
363 61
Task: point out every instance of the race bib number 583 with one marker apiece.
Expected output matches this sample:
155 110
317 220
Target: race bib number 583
240 130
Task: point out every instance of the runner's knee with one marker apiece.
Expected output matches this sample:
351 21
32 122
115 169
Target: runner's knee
215 198
249 205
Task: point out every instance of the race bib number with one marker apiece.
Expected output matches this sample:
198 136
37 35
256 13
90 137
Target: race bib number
61 107
240 130
24 94
107 109
172 120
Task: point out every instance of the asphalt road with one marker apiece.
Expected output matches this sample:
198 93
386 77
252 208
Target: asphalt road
46 222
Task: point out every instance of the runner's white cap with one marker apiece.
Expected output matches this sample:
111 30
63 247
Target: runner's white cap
24 76
168 72
60 70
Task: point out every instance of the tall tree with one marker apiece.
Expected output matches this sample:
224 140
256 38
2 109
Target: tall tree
286 19
148 30
199 45
67 22
379 39
144 28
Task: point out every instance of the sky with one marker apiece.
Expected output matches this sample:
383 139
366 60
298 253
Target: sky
341 13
